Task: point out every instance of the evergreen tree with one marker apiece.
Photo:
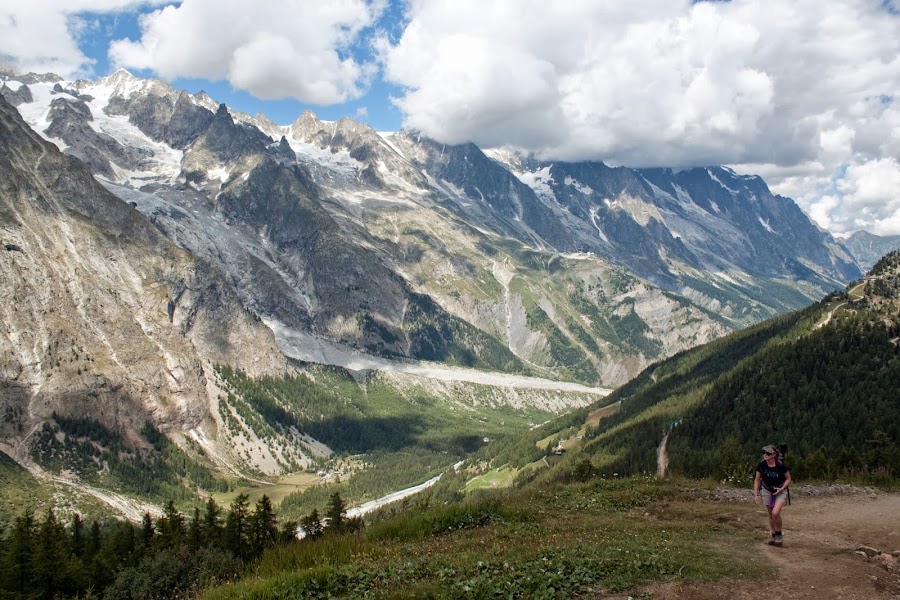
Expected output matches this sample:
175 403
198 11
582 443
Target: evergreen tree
171 526
288 533
312 525
195 532
50 553
212 523
77 535
147 531
881 452
19 556
92 546
236 526
263 526
336 513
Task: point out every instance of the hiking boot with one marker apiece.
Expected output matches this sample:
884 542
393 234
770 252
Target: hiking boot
777 540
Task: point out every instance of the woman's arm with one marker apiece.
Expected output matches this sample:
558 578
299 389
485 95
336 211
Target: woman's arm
756 483
787 482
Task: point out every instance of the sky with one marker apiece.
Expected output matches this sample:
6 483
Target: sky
805 93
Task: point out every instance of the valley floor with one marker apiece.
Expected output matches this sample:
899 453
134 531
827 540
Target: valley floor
818 560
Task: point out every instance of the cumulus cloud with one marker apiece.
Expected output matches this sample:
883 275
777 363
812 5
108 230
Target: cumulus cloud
804 92
44 36
274 49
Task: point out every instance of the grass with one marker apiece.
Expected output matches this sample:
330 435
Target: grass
580 539
278 491
493 479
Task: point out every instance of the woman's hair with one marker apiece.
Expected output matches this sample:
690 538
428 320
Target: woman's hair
773 449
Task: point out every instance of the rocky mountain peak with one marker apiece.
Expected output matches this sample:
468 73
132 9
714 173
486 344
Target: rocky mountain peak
203 99
305 126
284 152
223 114
16 95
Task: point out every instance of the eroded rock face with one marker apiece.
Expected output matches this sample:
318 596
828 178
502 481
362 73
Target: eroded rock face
70 121
103 316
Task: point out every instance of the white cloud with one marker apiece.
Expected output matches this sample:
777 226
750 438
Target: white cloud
42 36
273 49
864 194
804 91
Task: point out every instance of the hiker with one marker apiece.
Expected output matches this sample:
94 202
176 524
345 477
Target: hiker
774 477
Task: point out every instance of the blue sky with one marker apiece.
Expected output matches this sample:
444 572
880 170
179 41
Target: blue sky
802 92
374 108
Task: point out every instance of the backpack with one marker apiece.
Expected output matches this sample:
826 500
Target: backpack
782 450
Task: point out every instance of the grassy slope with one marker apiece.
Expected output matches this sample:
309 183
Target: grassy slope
550 543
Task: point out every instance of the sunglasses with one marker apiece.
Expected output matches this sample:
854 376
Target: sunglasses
769 453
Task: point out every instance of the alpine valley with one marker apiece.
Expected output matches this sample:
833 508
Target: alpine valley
198 299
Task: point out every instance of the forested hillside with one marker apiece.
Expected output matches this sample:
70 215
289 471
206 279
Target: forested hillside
822 380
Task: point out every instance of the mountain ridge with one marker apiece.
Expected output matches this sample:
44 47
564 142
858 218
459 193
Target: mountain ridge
719 242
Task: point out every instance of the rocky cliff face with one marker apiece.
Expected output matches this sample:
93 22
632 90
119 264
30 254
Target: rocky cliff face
102 315
661 222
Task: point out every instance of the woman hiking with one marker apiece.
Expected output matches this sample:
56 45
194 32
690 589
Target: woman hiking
774 477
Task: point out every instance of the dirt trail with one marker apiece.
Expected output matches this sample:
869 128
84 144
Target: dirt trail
817 561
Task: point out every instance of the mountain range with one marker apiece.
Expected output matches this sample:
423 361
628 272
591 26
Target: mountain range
152 236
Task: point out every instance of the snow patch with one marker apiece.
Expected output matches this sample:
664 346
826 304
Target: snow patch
719 181
219 173
765 224
726 277
340 161
386 138
584 189
453 190
594 215
539 181
579 255
162 162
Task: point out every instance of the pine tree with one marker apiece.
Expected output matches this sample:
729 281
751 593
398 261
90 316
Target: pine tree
312 525
171 526
336 513
77 535
19 555
50 553
92 546
212 523
195 532
147 531
236 526
288 533
263 526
